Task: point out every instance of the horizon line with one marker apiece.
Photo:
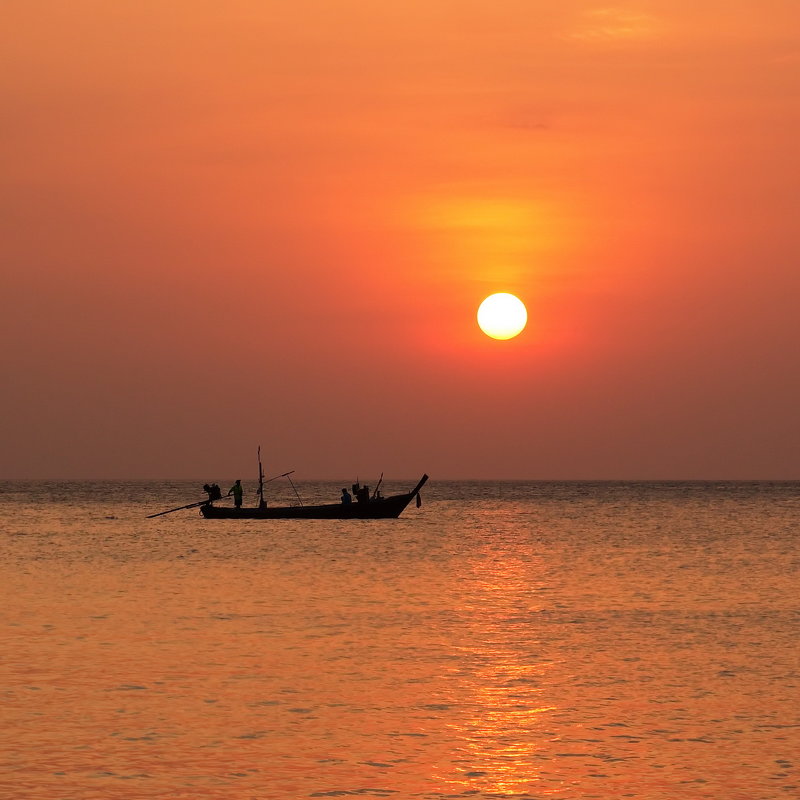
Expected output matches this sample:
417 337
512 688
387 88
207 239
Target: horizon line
447 479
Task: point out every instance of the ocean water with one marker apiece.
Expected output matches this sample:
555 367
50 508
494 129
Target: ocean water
506 640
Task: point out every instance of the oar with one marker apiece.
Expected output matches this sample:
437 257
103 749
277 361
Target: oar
203 502
180 508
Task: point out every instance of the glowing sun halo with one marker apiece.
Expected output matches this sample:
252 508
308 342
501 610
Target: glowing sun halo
502 316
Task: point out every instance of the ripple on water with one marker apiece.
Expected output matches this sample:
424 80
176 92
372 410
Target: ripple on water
508 640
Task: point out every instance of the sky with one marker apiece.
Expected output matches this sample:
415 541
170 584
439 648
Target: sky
256 222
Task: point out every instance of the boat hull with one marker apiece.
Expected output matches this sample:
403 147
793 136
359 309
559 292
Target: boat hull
385 508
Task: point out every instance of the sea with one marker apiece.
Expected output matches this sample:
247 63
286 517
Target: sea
504 640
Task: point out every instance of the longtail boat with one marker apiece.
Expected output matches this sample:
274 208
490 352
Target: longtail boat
374 508
363 506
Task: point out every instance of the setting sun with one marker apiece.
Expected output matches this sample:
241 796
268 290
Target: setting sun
502 316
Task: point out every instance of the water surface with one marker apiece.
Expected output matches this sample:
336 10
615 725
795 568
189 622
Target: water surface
529 640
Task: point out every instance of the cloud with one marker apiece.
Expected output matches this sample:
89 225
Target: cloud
792 57
615 24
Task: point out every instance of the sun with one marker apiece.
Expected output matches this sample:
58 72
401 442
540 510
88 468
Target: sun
502 316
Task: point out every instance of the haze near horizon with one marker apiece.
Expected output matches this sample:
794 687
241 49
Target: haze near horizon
271 223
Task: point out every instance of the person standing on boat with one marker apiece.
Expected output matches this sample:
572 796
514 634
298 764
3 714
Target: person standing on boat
346 497
237 492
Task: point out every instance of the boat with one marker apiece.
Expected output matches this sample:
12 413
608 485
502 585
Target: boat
363 506
372 508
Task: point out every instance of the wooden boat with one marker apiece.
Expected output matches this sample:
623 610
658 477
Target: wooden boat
377 508
365 507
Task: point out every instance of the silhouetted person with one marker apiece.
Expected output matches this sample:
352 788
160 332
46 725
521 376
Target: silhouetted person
237 492
213 492
362 495
346 497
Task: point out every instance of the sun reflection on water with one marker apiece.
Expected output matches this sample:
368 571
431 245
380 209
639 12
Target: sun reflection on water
502 683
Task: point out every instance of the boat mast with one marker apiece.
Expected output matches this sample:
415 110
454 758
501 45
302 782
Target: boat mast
261 503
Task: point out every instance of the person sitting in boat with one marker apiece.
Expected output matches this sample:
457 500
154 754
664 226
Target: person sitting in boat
362 495
237 492
346 497
213 491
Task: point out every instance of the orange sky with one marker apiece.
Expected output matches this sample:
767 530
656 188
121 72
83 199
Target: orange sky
269 222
